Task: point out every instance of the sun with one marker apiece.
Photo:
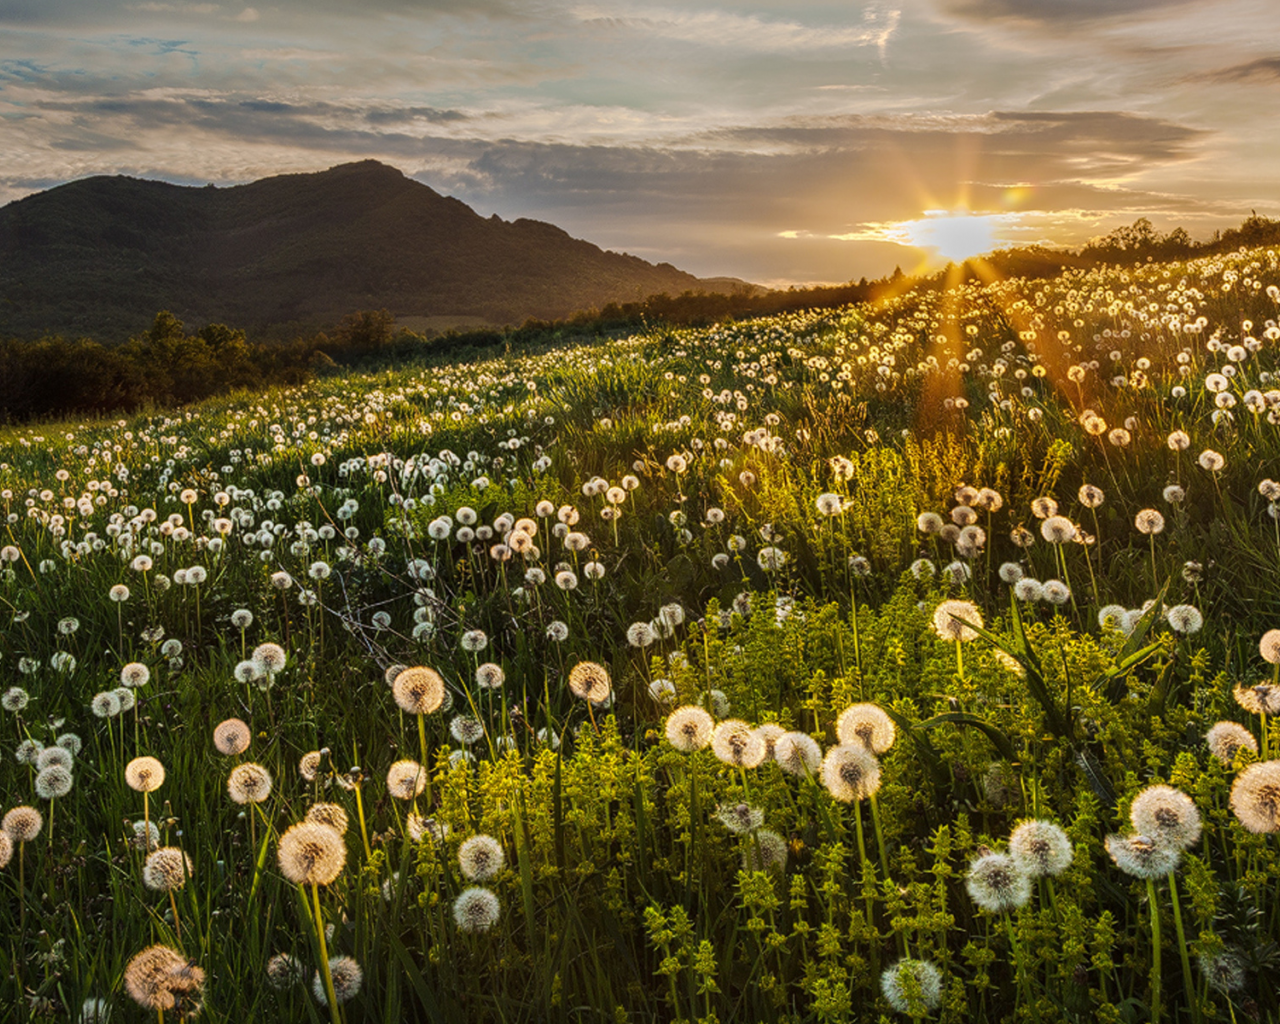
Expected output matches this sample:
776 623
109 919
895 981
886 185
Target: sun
954 236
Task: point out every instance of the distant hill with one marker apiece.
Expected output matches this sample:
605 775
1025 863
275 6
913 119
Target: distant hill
100 256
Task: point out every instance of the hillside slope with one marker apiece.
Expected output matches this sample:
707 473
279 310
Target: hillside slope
101 255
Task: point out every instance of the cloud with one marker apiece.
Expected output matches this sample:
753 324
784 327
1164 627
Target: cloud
1262 70
1060 12
744 32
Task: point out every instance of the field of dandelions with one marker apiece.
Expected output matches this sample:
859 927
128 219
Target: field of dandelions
915 662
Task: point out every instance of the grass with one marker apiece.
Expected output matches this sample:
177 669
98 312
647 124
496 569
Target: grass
389 504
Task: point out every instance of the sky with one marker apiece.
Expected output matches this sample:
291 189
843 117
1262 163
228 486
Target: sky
778 142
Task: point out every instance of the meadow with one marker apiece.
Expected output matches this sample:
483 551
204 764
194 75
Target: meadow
906 661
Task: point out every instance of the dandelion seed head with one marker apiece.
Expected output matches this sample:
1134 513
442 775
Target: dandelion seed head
764 851
1269 646
1056 592
996 884
947 616
166 869
1142 856
346 975
689 728
1224 970
270 658
734 742
55 755
797 753
1040 848
54 782
912 987
418 690
1166 815
1255 797
1057 529
406 779
740 818
311 854
283 972
1226 738
135 674
589 680
476 909
144 774
490 676
249 783
331 815
480 858
466 729
15 699
22 824
1261 698
309 765
231 737
850 772
160 978
867 724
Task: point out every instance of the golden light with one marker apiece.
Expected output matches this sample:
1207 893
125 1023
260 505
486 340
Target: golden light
953 236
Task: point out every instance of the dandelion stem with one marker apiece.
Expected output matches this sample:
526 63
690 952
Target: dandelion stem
1154 906
324 957
364 832
1188 979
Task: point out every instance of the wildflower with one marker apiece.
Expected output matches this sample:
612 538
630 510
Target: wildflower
22 824
1225 738
912 986
1010 572
231 737
1269 646
719 702
54 756
829 504
1149 521
246 672
418 691
1255 797
1173 494
590 681
866 724
406 779
689 728
736 743
1184 618
242 618
249 783
1142 856
1223 970
1261 699
309 765
764 851
1211 460
331 815
557 631
126 698
771 559
480 858
160 978
1167 815
135 674
1179 441
640 634
311 854
1111 616
283 971
663 691
1056 592
1043 508
1040 848
922 568
144 774
53 782
947 620
476 909
850 772
996 883
270 658
1057 529
466 729
929 522
740 818
797 753
490 676
15 699
1091 496
1028 590
346 975
166 869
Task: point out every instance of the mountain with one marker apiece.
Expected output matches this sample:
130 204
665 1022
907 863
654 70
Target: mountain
101 255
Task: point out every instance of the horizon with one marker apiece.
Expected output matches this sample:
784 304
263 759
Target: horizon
772 143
